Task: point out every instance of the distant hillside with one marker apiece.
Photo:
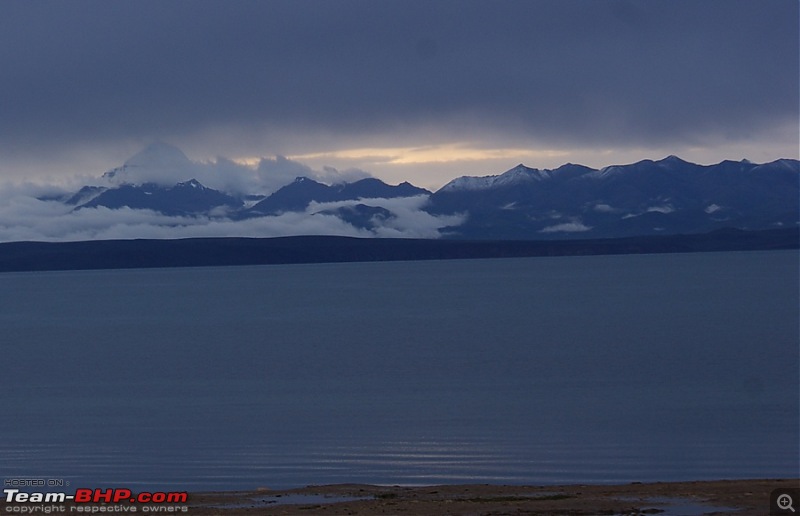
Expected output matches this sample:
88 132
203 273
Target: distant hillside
118 254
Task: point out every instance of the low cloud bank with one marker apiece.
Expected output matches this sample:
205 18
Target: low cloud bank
24 216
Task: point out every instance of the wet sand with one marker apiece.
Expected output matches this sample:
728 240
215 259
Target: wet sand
739 497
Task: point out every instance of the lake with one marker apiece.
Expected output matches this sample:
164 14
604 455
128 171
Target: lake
592 369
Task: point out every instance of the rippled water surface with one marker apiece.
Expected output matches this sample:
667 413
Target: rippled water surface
535 370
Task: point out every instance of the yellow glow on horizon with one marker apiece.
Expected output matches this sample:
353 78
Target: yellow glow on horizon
248 161
443 153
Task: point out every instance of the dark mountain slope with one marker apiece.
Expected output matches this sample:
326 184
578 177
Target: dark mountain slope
185 198
299 194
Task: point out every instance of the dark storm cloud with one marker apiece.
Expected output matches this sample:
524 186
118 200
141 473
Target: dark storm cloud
592 72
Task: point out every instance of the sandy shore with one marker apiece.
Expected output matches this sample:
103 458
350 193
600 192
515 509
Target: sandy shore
740 497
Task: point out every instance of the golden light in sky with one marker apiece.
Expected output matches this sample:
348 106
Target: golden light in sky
441 153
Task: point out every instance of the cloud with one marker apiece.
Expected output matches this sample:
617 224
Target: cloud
604 208
300 77
24 217
167 165
50 221
408 220
567 227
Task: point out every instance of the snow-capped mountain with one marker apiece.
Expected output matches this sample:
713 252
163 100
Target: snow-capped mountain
185 198
157 163
146 181
669 196
303 191
649 197
517 175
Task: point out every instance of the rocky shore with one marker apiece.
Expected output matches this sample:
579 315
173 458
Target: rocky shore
739 497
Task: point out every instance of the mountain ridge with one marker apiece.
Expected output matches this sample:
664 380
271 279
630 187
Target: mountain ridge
669 196
648 197
297 195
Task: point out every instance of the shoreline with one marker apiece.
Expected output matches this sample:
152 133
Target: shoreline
234 251
739 497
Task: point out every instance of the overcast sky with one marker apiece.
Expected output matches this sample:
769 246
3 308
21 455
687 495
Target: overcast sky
407 90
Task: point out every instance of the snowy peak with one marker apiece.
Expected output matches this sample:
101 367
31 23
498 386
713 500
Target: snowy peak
192 183
669 164
518 174
158 163
469 183
522 173
158 154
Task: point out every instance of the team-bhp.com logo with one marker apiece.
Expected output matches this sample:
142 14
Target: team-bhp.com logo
86 500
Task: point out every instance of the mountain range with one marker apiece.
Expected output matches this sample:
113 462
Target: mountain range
664 197
670 196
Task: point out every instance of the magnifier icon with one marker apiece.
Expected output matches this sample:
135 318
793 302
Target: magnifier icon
785 502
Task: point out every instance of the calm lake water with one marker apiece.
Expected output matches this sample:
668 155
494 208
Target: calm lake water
536 370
